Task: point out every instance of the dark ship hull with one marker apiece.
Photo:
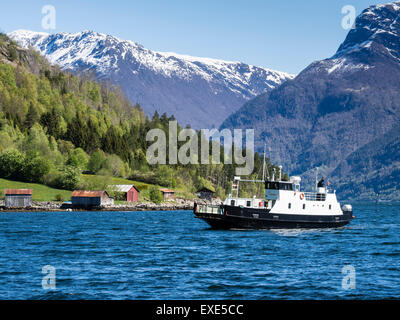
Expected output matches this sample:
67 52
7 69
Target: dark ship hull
230 217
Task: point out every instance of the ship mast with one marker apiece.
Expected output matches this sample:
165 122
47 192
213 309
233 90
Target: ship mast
237 180
263 173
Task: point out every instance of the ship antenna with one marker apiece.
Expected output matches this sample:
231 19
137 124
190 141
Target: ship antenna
263 174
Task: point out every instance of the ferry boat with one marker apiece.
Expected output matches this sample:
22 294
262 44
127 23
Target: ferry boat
284 206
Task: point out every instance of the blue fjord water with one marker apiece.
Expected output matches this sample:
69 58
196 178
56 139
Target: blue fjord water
172 255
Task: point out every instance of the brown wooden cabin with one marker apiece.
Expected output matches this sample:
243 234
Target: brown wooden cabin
87 199
168 194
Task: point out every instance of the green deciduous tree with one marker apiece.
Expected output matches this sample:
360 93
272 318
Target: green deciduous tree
36 168
116 166
12 163
68 178
78 159
96 161
155 195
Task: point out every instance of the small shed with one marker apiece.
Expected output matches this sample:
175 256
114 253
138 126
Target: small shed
168 194
18 198
205 193
131 193
87 199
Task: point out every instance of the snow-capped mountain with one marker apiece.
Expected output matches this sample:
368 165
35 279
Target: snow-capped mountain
341 113
201 92
377 32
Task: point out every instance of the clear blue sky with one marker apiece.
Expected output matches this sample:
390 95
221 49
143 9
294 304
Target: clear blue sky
282 35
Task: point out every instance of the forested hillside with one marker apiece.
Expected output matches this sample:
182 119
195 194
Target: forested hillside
55 125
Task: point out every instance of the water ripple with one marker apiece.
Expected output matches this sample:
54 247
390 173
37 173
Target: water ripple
171 255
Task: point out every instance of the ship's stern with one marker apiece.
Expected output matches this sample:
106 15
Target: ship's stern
348 212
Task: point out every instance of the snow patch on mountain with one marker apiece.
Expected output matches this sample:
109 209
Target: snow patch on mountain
163 81
377 24
103 51
344 65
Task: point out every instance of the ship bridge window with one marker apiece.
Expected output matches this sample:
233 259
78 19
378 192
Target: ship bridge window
289 205
232 202
286 186
248 203
304 206
273 185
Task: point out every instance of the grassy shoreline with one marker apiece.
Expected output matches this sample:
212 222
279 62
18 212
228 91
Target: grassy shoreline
46 199
40 192
45 193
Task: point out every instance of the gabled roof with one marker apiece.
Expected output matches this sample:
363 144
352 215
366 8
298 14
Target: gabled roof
18 191
88 194
167 191
123 187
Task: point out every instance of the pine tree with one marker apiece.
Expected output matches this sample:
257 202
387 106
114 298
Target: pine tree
156 118
51 120
32 116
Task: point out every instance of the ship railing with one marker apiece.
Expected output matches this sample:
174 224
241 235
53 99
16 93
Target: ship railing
210 209
313 196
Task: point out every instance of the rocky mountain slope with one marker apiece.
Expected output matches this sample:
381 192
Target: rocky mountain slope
373 170
201 92
335 107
